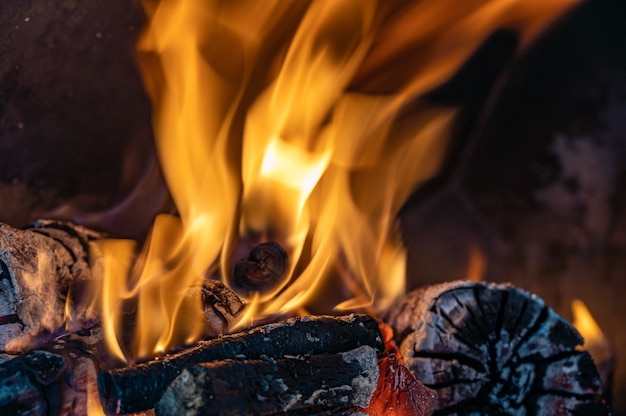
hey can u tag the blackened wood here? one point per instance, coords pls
(262, 269)
(270, 386)
(43, 272)
(56, 380)
(495, 349)
(397, 388)
(139, 387)
(20, 396)
(221, 307)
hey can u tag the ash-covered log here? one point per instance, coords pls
(139, 387)
(43, 270)
(289, 385)
(495, 349)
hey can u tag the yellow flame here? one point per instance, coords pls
(117, 257)
(300, 120)
(94, 405)
(587, 326)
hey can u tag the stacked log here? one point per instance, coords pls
(293, 384)
(483, 348)
(139, 387)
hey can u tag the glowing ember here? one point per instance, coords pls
(299, 121)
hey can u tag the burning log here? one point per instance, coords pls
(43, 269)
(221, 307)
(397, 388)
(262, 269)
(57, 380)
(308, 384)
(139, 387)
(495, 349)
(23, 382)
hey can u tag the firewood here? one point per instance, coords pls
(45, 273)
(262, 269)
(221, 307)
(40, 269)
(18, 395)
(495, 349)
(54, 380)
(270, 386)
(139, 387)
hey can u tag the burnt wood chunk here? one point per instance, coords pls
(43, 270)
(274, 386)
(20, 396)
(495, 349)
(221, 307)
(138, 388)
(262, 269)
(57, 380)
(397, 389)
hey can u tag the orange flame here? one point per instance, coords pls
(476, 265)
(262, 130)
(595, 341)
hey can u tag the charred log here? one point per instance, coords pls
(262, 269)
(57, 380)
(139, 387)
(268, 386)
(221, 307)
(397, 388)
(495, 349)
(19, 396)
(43, 270)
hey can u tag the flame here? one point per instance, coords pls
(286, 119)
(94, 405)
(595, 341)
(477, 264)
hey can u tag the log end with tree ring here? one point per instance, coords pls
(495, 349)
(262, 270)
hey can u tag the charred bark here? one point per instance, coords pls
(495, 349)
(139, 387)
(43, 271)
(269, 386)
(221, 307)
(55, 380)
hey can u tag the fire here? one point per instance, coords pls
(286, 120)
(477, 264)
(595, 341)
